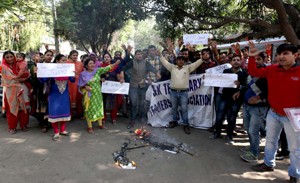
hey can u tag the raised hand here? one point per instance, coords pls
(123, 46)
(252, 50)
(129, 48)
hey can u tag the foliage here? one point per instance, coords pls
(92, 22)
(22, 24)
(239, 18)
(139, 34)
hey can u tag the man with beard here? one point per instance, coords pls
(231, 100)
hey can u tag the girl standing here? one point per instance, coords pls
(75, 95)
(110, 100)
(59, 101)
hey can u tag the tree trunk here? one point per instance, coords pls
(285, 25)
(87, 50)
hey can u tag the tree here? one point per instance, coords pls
(93, 22)
(139, 34)
(22, 24)
(245, 18)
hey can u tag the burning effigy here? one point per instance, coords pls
(144, 138)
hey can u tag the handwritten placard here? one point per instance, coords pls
(293, 115)
(218, 69)
(50, 70)
(220, 80)
(114, 87)
(195, 39)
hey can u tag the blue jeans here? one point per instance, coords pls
(227, 106)
(180, 99)
(254, 118)
(137, 101)
(275, 123)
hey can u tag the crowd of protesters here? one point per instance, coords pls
(265, 86)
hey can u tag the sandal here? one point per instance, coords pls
(90, 130)
(55, 137)
(65, 133)
(12, 131)
(25, 129)
(102, 127)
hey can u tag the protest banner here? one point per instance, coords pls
(220, 80)
(293, 115)
(195, 39)
(114, 87)
(218, 69)
(50, 70)
(201, 110)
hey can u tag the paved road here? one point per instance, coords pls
(84, 158)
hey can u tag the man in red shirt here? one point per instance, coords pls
(284, 92)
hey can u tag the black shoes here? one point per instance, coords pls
(262, 168)
(172, 124)
(294, 180)
(215, 136)
(130, 125)
(187, 129)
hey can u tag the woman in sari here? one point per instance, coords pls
(16, 102)
(75, 95)
(89, 86)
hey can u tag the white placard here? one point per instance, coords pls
(195, 39)
(50, 70)
(294, 116)
(218, 69)
(114, 87)
(220, 80)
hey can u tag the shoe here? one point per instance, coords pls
(245, 149)
(215, 136)
(25, 129)
(211, 129)
(294, 180)
(187, 129)
(249, 157)
(125, 115)
(130, 125)
(90, 130)
(114, 122)
(230, 140)
(12, 131)
(65, 133)
(55, 137)
(172, 124)
(102, 127)
(44, 130)
(282, 155)
(262, 168)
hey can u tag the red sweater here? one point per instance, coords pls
(283, 85)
